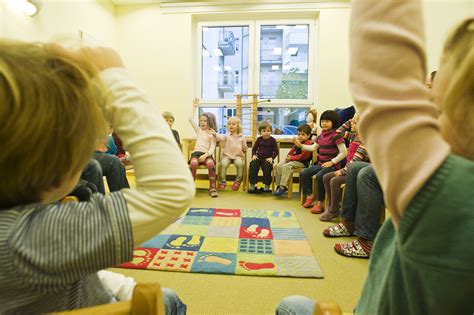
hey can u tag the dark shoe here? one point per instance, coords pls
(255, 191)
(280, 191)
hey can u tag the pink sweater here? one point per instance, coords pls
(398, 121)
(233, 146)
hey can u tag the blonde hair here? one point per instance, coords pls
(50, 119)
(167, 115)
(239, 124)
(458, 105)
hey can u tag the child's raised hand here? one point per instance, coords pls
(254, 158)
(196, 102)
(269, 160)
(103, 57)
(203, 157)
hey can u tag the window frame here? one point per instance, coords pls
(254, 25)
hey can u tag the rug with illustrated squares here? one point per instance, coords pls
(231, 241)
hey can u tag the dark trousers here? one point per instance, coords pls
(113, 170)
(363, 200)
(266, 167)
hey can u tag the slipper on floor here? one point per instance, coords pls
(352, 249)
(337, 230)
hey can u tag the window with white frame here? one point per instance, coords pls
(271, 58)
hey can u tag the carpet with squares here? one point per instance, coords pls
(231, 241)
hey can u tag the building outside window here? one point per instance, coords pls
(277, 67)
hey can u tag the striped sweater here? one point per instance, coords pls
(49, 254)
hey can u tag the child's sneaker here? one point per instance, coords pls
(213, 193)
(309, 202)
(221, 186)
(280, 191)
(235, 186)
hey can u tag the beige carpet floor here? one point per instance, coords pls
(229, 294)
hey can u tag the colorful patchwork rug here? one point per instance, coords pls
(231, 241)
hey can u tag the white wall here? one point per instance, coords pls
(61, 19)
(159, 49)
(440, 17)
(333, 60)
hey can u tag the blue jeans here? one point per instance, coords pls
(173, 304)
(307, 182)
(295, 305)
(363, 200)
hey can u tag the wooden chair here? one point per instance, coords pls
(69, 199)
(244, 172)
(147, 300)
(192, 144)
(327, 308)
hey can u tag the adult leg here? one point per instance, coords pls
(349, 202)
(295, 305)
(173, 304)
(370, 203)
(113, 170)
(93, 174)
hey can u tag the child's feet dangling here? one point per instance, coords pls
(309, 202)
(318, 208)
(236, 186)
(221, 186)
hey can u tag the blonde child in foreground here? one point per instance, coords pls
(205, 146)
(422, 259)
(234, 147)
(50, 252)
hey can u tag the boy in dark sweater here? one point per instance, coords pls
(264, 152)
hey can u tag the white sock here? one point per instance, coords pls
(120, 286)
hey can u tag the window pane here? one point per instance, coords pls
(285, 120)
(224, 62)
(284, 61)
